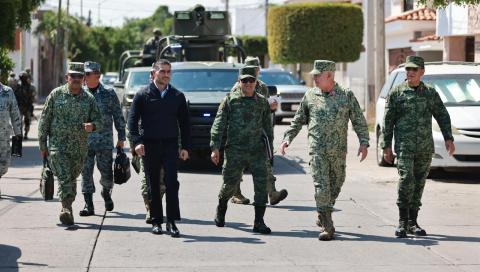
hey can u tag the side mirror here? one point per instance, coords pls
(272, 90)
(302, 82)
(119, 84)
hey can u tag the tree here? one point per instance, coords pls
(444, 3)
(13, 14)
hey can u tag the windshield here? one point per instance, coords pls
(454, 89)
(138, 79)
(206, 80)
(108, 79)
(278, 78)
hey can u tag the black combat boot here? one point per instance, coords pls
(221, 211)
(88, 210)
(106, 194)
(413, 227)
(259, 225)
(401, 231)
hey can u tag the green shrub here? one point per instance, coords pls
(302, 33)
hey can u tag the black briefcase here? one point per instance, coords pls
(16, 146)
(46, 181)
(121, 167)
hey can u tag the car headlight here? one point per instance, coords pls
(436, 128)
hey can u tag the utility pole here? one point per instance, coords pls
(226, 6)
(379, 46)
(65, 42)
(266, 18)
(81, 10)
(370, 71)
(56, 45)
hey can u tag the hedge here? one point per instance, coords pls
(302, 33)
(254, 45)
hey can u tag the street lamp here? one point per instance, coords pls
(100, 2)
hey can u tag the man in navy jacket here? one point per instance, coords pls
(163, 113)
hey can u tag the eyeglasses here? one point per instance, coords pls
(76, 76)
(411, 69)
(248, 80)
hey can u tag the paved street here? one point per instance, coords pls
(31, 238)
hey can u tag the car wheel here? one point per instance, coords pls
(278, 120)
(380, 160)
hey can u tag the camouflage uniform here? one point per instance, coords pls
(100, 142)
(262, 89)
(242, 121)
(61, 123)
(25, 94)
(327, 116)
(9, 114)
(408, 117)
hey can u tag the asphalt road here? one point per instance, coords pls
(31, 238)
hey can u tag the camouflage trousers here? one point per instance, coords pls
(143, 179)
(234, 163)
(4, 156)
(328, 174)
(270, 180)
(104, 160)
(66, 167)
(413, 172)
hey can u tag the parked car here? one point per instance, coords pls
(109, 78)
(458, 84)
(290, 91)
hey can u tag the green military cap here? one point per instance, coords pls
(320, 66)
(248, 71)
(76, 68)
(414, 62)
(157, 31)
(91, 66)
(252, 61)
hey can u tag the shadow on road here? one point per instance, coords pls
(9, 256)
(283, 166)
(30, 158)
(468, 176)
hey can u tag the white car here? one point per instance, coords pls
(458, 84)
(290, 91)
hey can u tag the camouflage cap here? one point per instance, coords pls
(414, 62)
(91, 66)
(320, 66)
(252, 61)
(248, 71)
(76, 68)
(157, 31)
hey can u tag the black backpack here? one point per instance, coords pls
(121, 167)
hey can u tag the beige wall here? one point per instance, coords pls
(454, 48)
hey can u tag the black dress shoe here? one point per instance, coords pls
(157, 229)
(173, 230)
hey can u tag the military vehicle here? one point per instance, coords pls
(198, 52)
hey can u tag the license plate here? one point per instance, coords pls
(295, 107)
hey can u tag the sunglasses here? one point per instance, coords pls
(76, 76)
(248, 80)
(411, 69)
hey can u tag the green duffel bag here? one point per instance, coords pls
(46, 181)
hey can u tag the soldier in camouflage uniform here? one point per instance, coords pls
(100, 142)
(274, 195)
(151, 45)
(25, 94)
(408, 116)
(70, 113)
(326, 109)
(9, 114)
(243, 117)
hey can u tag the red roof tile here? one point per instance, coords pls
(422, 14)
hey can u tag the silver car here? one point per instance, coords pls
(458, 84)
(290, 91)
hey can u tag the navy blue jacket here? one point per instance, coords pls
(161, 118)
